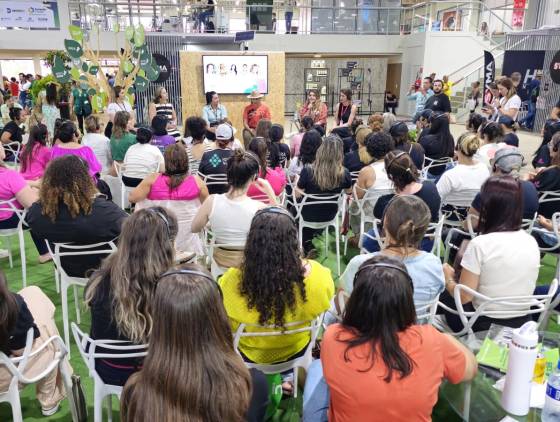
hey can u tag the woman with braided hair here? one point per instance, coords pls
(71, 210)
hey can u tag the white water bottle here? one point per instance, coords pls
(521, 365)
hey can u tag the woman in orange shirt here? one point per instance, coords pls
(314, 108)
(384, 365)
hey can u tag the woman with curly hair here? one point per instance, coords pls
(71, 210)
(275, 286)
(121, 293)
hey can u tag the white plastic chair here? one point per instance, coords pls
(210, 244)
(124, 190)
(9, 206)
(432, 163)
(70, 250)
(15, 149)
(16, 366)
(552, 250)
(320, 200)
(426, 311)
(120, 350)
(522, 305)
(471, 234)
(546, 197)
(303, 361)
(456, 204)
(214, 180)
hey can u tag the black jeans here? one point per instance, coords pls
(482, 323)
(12, 223)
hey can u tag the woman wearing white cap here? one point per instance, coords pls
(214, 162)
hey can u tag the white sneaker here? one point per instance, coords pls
(51, 411)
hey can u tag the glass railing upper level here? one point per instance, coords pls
(297, 17)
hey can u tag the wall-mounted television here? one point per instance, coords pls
(235, 74)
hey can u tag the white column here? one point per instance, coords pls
(37, 65)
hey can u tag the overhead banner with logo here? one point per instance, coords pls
(29, 14)
(489, 76)
(527, 63)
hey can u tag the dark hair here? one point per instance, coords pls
(159, 125)
(550, 128)
(426, 114)
(501, 205)
(438, 80)
(15, 113)
(347, 92)
(37, 136)
(378, 144)
(493, 131)
(259, 147)
(242, 167)
(400, 169)
(320, 129)
(406, 219)
(399, 132)
(276, 133)
(474, 121)
(66, 132)
(176, 165)
(272, 271)
(144, 135)
(440, 129)
(117, 89)
(51, 94)
(263, 129)
(310, 143)
(209, 95)
(385, 295)
(430, 79)
(196, 127)
(307, 123)
(8, 313)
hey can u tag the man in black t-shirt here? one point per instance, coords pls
(439, 101)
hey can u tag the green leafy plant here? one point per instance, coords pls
(40, 85)
(49, 58)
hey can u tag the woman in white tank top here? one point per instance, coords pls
(229, 215)
(371, 178)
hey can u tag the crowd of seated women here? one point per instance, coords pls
(260, 278)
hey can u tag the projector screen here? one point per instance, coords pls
(235, 74)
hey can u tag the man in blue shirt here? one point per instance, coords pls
(533, 89)
(420, 96)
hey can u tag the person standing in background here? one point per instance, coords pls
(49, 108)
(252, 115)
(439, 101)
(533, 89)
(474, 96)
(391, 102)
(80, 102)
(14, 87)
(420, 96)
(289, 14)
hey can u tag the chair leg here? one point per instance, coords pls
(22, 256)
(326, 242)
(15, 404)
(57, 280)
(77, 304)
(9, 248)
(296, 372)
(64, 300)
(97, 403)
(337, 240)
(109, 401)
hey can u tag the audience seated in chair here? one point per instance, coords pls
(122, 138)
(196, 128)
(229, 215)
(310, 143)
(405, 222)
(438, 143)
(71, 210)
(399, 133)
(30, 308)
(503, 260)
(274, 286)
(215, 162)
(356, 159)
(98, 142)
(36, 154)
(405, 177)
(384, 365)
(274, 175)
(120, 294)
(177, 190)
(326, 176)
(278, 152)
(191, 370)
(141, 159)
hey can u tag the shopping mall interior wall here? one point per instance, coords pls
(193, 91)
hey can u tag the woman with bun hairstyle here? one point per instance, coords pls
(474, 122)
(229, 214)
(467, 175)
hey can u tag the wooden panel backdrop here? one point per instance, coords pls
(192, 88)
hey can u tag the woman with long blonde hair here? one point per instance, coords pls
(314, 108)
(356, 159)
(120, 293)
(192, 372)
(326, 176)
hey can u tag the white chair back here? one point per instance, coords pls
(433, 163)
(15, 149)
(10, 206)
(547, 197)
(16, 366)
(214, 180)
(111, 349)
(119, 169)
(426, 311)
(62, 250)
(521, 305)
(455, 206)
(303, 361)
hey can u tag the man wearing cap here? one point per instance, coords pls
(252, 114)
(508, 162)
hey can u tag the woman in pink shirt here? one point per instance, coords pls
(14, 187)
(176, 190)
(36, 154)
(275, 176)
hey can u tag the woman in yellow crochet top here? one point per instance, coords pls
(275, 286)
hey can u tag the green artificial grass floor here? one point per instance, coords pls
(43, 276)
